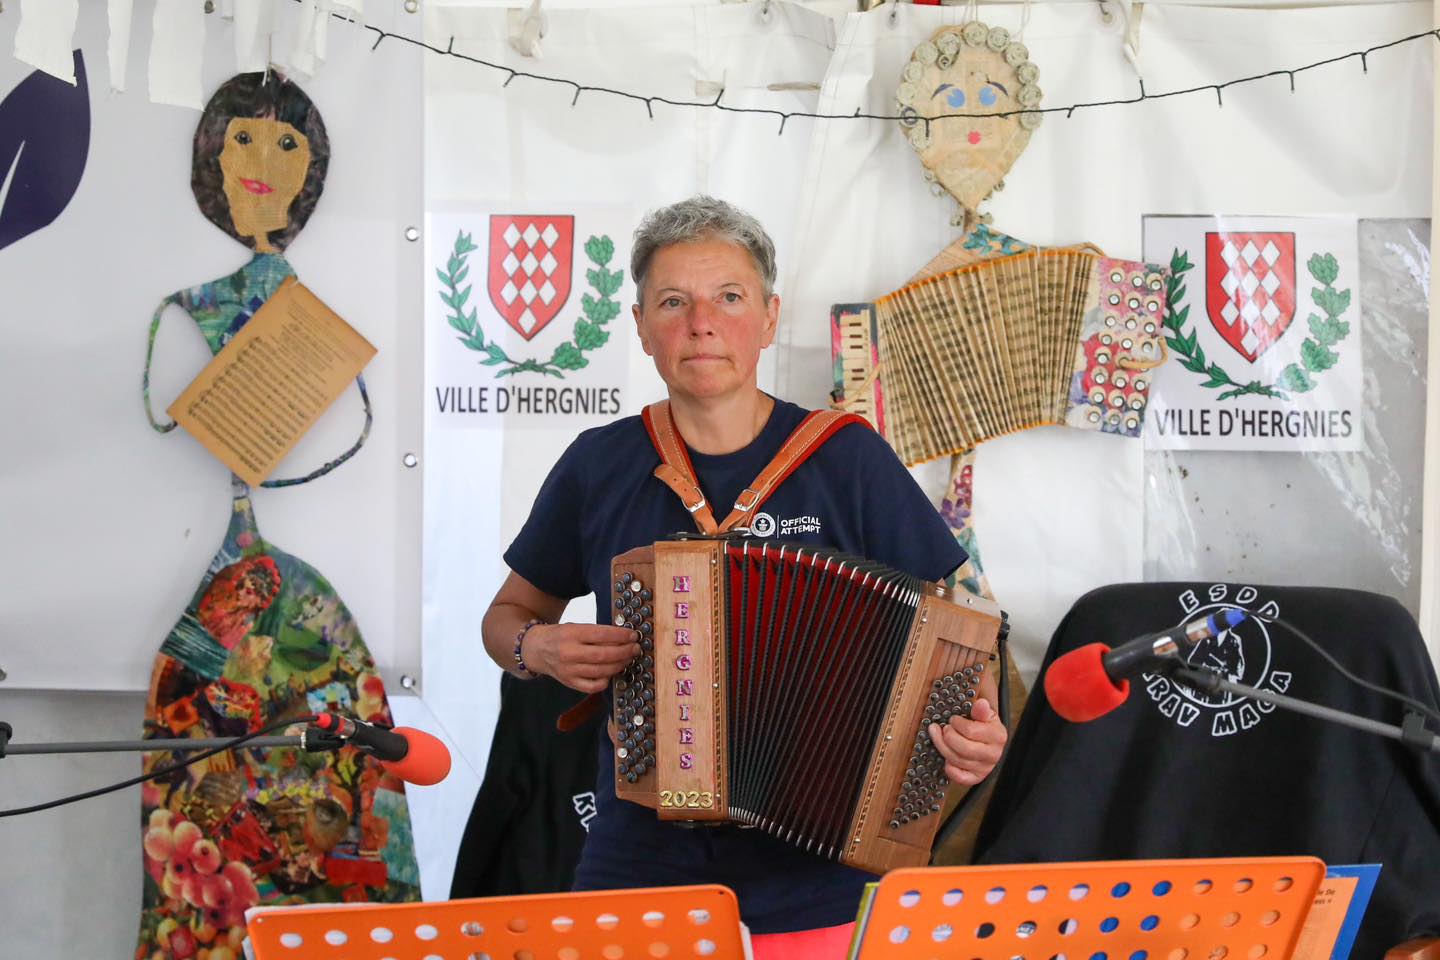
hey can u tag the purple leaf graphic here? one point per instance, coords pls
(44, 140)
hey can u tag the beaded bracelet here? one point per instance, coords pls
(520, 666)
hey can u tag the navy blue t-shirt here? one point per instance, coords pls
(602, 499)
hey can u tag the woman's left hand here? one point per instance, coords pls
(970, 747)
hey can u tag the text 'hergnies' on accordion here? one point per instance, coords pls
(789, 688)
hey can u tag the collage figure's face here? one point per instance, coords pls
(972, 69)
(264, 163)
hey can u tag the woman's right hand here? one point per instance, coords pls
(583, 656)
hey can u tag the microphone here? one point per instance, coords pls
(1090, 681)
(412, 755)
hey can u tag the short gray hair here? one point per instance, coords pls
(696, 219)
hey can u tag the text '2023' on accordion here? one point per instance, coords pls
(789, 688)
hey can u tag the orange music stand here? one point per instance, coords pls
(669, 922)
(1241, 909)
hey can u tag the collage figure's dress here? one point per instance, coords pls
(264, 637)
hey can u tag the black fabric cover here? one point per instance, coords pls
(1235, 780)
(528, 824)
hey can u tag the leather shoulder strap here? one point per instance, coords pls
(678, 473)
(675, 470)
(814, 430)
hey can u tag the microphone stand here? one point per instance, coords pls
(1412, 731)
(311, 740)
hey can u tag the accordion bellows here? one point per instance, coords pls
(789, 688)
(1059, 336)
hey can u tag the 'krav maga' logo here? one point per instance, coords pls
(1242, 654)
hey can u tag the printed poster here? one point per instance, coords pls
(1263, 332)
(523, 315)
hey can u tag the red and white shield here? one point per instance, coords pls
(530, 261)
(1250, 288)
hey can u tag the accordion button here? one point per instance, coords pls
(649, 728)
(647, 662)
(894, 824)
(646, 612)
(622, 753)
(636, 586)
(648, 710)
(647, 695)
(620, 620)
(979, 668)
(619, 587)
(627, 577)
(646, 595)
(646, 628)
(649, 745)
(631, 777)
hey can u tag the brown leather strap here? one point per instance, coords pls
(814, 430)
(678, 473)
(576, 716)
(675, 470)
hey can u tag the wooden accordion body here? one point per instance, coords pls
(788, 688)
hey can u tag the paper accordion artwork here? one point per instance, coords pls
(1043, 337)
(751, 646)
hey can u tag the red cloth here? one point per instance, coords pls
(824, 943)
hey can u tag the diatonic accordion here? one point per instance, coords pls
(790, 688)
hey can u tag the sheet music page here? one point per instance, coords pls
(254, 401)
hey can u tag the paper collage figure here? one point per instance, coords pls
(994, 335)
(265, 635)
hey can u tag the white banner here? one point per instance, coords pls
(526, 316)
(1264, 334)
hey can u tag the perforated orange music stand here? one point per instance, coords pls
(1242, 909)
(670, 922)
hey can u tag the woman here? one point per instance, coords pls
(704, 275)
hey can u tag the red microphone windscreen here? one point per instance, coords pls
(427, 762)
(1079, 689)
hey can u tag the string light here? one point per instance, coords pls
(784, 116)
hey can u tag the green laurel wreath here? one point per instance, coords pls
(589, 332)
(1315, 353)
